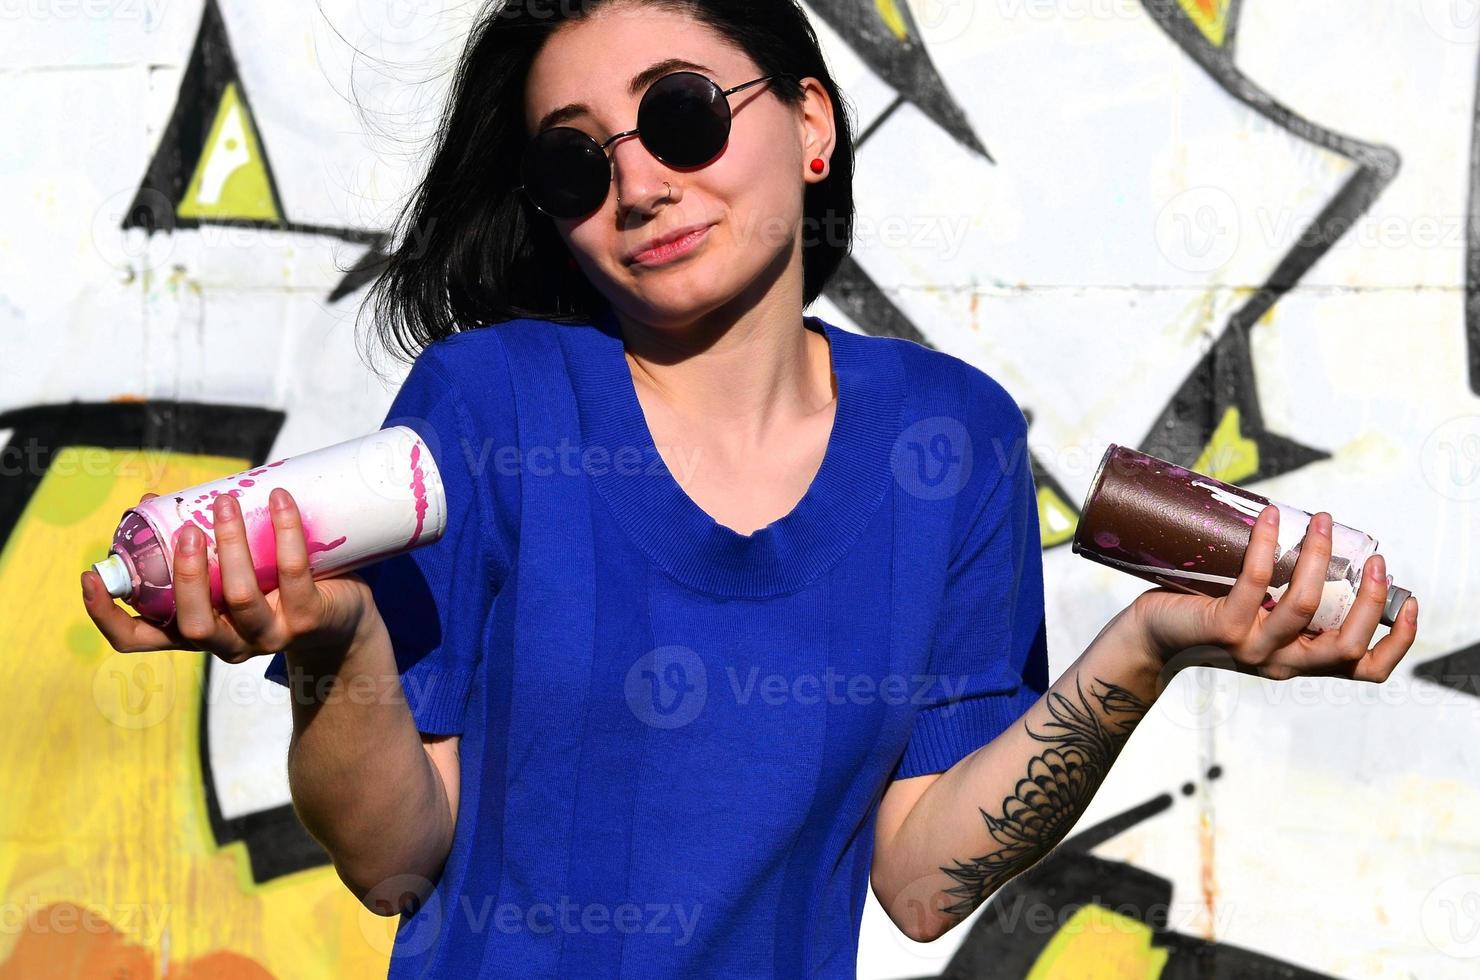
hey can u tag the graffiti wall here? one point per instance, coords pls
(1238, 234)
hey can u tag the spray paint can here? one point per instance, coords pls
(360, 501)
(1174, 527)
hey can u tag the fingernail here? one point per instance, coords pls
(189, 540)
(86, 587)
(1270, 515)
(1325, 525)
(278, 499)
(228, 505)
(1374, 570)
(1413, 609)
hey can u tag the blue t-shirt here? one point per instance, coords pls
(675, 737)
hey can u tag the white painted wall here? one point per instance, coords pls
(1337, 838)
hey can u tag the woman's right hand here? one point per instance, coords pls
(300, 615)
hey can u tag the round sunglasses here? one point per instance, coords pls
(683, 120)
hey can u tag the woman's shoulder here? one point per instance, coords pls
(481, 361)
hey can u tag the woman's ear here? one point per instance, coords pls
(818, 130)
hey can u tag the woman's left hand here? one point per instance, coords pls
(1272, 642)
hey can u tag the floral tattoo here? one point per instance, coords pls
(1059, 784)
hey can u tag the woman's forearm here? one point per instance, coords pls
(999, 810)
(360, 777)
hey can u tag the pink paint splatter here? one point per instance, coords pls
(419, 490)
(316, 546)
(1107, 540)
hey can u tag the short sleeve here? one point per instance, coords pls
(989, 654)
(435, 599)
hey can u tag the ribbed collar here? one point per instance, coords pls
(623, 462)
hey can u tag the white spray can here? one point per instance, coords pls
(360, 501)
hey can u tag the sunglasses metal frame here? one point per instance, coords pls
(724, 93)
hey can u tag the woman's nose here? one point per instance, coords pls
(641, 179)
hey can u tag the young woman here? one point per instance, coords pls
(736, 613)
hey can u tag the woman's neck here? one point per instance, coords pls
(741, 380)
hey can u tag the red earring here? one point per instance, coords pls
(817, 165)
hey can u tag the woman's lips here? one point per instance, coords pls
(673, 250)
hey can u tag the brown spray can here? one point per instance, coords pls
(1187, 531)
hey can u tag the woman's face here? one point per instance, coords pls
(749, 197)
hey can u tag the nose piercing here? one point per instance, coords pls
(666, 196)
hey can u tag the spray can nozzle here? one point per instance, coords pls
(114, 572)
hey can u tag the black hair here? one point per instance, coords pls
(483, 254)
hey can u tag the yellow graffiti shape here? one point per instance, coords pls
(1098, 944)
(230, 179)
(893, 18)
(1229, 456)
(1210, 16)
(108, 865)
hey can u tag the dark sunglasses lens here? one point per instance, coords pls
(566, 173)
(684, 119)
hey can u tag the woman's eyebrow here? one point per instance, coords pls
(639, 82)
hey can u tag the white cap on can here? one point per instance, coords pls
(114, 572)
